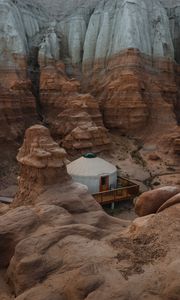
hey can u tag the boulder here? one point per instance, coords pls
(149, 202)
(171, 201)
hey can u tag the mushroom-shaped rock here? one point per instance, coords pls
(149, 202)
(42, 162)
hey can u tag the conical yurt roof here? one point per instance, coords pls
(94, 166)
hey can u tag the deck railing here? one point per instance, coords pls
(127, 191)
(124, 182)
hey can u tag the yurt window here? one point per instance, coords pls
(104, 183)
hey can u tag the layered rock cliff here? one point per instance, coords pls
(125, 53)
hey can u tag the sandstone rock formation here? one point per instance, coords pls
(134, 92)
(170, 138)
(72, 253)
(15, 115)
(17, 103)
(42, 161)
(134, 87)
(84, 67)
(65, 246)
(81, 67)
(74, 118)
(157, 200)
(170, 202)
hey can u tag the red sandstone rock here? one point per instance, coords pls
(149, 202)
(4, 208)
(79, 248)
(168, 141)
(172, 201)
(12, 232)
(66, 247)
(74, 118)
(134, 92)
(17, 112)
(17, 103)
(42, 161)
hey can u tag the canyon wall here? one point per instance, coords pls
(83, 66)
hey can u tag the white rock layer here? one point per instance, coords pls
(89, 30)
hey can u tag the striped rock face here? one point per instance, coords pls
(125, 53)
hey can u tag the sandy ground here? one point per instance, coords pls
(123, 210)
(148, 165)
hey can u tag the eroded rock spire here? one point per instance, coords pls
(42, 162)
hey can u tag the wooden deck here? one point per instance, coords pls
(125, 190)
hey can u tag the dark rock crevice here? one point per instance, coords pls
(34, 76)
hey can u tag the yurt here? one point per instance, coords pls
(96, 173)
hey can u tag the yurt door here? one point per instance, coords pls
(104, 183)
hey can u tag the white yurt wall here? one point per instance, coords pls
(88, 170)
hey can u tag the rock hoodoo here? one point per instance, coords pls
(42, 162)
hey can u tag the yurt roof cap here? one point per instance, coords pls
(89, 155)
(90, 166)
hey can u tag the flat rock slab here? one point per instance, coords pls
(9, 192)
(6, 200)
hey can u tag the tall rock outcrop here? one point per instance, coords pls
(129, 56)
(17, 103)
(74, 118)
(136, 91)
(42, 162)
